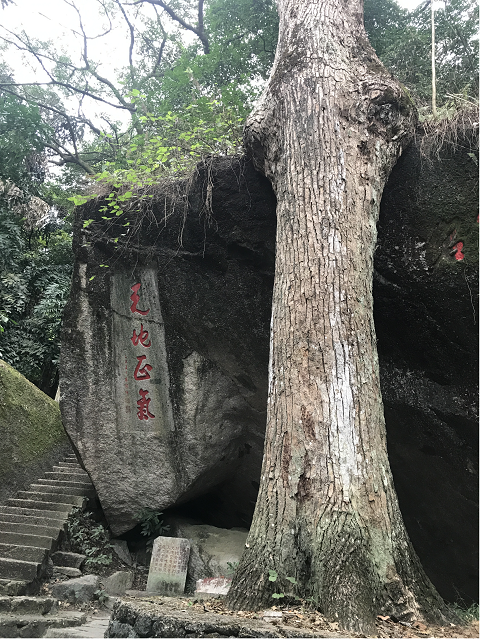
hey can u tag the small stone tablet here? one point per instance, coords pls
(168, 566)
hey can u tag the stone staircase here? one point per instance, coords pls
(35, 616)
(32, 524)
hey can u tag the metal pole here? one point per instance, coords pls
(434, 83)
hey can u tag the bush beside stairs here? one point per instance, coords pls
(32, 525)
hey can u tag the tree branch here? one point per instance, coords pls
(198, 31)
(132, 40)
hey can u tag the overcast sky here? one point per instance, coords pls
(54, 20)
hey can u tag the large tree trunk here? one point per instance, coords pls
(327, 131)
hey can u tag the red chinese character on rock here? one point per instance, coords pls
(135, 297)
(140, 338)
(143, 406)
(142, 372)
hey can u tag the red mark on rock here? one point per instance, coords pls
(141, 338)
(143, 406)
(458, 251)
(135, 297)
(142, 372)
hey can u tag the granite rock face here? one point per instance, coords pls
(79, 590)
(206, 277)
(426, 319)
(194, 334)
(31, 432)
(214, 552)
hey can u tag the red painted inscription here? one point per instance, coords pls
(141, 338)
(135, 297)
(458, 251)
(143, 406)
(142, 371)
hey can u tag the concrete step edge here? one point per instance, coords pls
(41, 505)
(22, 539)
(68, 471)
(26, 553)
(14, 587)
(27, 529)
(48, 498)
(64, 482)
(32, 520)
(33, 512)
(61, 490)
(56, 620)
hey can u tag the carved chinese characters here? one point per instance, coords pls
(143, 403)
(168, 566)
(142, 369)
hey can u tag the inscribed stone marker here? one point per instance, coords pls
(168, 566)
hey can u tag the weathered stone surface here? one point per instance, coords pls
(213, 586)
(78, 590)
(214, 294)
(214, 552)
(70, 559)
(118, 583)
(66, 570)
(120, 548)
(164, 617)
(168, 566)
(426, 318)
(209, 307)
(31, 432)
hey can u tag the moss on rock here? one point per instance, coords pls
(31, 432)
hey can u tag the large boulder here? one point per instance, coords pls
(204, 257)
(76, 591)
(426, 319)
(194, 418)
(31, 432)
(214, 552)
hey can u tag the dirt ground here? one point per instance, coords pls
(302, 617)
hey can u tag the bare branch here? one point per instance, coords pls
(200, 18)
(132, 39)
(71, 87)
(29, 48)
(153, 72)
(198, 31)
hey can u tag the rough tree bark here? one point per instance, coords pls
(327, 131)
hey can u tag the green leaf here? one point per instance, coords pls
(272, 575)
(278, 595)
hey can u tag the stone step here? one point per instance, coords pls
(18, 569)
(14, 588)
(27, 605)
(93, 629)
(39, 520)
(63, 490)
(68, 471)
(58, 475)
(33, 512)
(87, 485)
(57, 498)
(30, 529)
(37, 625)
(40, 505)
(26, 540)
(67, 464)
(26, 553)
